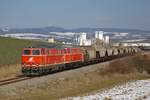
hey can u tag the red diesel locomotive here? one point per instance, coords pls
(36, 61)
(44, 60)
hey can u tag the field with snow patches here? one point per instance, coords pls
(135, 90)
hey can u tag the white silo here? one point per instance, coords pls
(82, 38)
(96, 34)
(107, 39)
(101, 35)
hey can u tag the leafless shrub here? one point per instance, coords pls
(120, 67)
(124, 66)
(142, 63)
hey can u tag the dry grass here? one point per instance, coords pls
(142, 63)
(9, 71)
(119, 66)
(57, 89)
(139, 63)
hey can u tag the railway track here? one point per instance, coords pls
(23, 77)
(14, 80)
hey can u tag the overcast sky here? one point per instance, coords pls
(133, 14)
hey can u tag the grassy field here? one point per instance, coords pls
(10, 55)
(10, 71)
(10, 50)
(117, 72)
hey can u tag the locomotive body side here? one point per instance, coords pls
(54, 56)
(47, 60)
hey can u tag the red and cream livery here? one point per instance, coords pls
(44, 60)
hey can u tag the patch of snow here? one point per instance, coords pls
(128, 91)
(63, 34)
(120, 34)
(38, 36)
(134, 40)
(24, 35)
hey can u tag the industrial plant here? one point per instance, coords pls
(99, 35)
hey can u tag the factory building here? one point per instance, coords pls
(50, 40)
(83, 40)
(99, 36)
(106, 39)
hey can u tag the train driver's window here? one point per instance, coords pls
(36, 52)
(27, 52)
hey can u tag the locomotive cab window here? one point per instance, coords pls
(36, 52)
(27, 52)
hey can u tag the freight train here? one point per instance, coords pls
(45, 60)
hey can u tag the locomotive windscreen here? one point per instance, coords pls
(27, 52)
(36, 52)
(31, 52)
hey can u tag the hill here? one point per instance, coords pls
(10, 49)
(45, 30)
(70, 35)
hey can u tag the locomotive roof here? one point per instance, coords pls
(52, 46)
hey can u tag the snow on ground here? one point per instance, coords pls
(26, 36)
(136, 90)
(37, 36)
(134, 40)
(63, 33)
